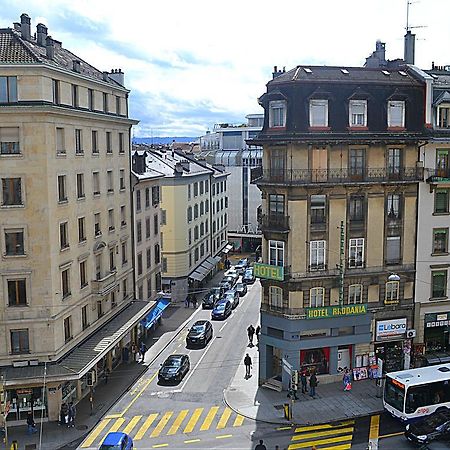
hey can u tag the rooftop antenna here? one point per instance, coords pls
(408, 26)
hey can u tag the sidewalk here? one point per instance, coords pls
(331, 403)
(55, 437)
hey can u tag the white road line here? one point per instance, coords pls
(223, 326)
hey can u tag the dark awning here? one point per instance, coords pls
(155, 313)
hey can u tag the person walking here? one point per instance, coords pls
(261, 445)
(143, 350)
(194, 301)
(30, 424)
(134, 351)
(248, 365)
(187, 302)
(313, 382)
(72, 415)
(347, 380)
(63, 414)
(304, 381)
(257, 332)
(250, 333)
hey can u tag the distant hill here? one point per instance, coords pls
(163, 140)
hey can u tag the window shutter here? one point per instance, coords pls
(441, 201)
(9, 134)
(393, 248)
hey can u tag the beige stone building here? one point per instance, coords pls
(65, 221)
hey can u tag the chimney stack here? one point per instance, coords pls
(41, 34)
(409, 47)
(118, 76)
(105, 76)
(49, 47)
(16, 26)
(25, 26)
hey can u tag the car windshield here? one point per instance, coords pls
(215, 291)
(173, 362)
(198, 328)
(239, 286)
(110, 447)
(220, 306)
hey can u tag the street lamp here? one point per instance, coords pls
(393, 277)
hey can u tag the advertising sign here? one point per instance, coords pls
(335, 311)
(387, 329)
(268, 272)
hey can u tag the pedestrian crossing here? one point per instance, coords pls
(325, 437)
(166, 423)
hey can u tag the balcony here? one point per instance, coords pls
(105, 285)
(278, 223)
(438, 176)
(335, 176)
(285, 312)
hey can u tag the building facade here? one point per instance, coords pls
(339, 185)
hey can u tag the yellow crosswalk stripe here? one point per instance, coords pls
(374, 427)
(116, 425)
(193, 420)
(337, 447)
(309, 444)
(178, 421)
(145, 426)
(224, 419)
(161, 424)
(133, 422)
(316, 434)
(94, 435)
(238, 421)
(209, 418)
(324, 426)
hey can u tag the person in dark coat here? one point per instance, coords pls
(143, 349)
(313, 384)
(248, 365)
(250, 333)
(257, 333)
(72, 415)
(304, 381)
(30, 424)
(261, 445)
(64, 411)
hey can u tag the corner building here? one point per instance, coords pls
(339, 186)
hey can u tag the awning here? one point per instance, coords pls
(207, 265)
(227, 248)
(216, 259)
(212, 261)
(196, 276)
(155, 313)
(202, 270)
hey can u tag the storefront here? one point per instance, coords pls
(390, 344)
(316, 359)
(437, 332)
(25, 400)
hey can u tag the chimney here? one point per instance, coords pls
(277, 72)
(41, 34)
(25, 26)
(139, 162)
(105, 76)
(118, 76)
(49, 47)
(409, 47)
(16, 26)
(76, 66)
(178, 170)
(186, 165)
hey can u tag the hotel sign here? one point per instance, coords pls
(335, 311)
(268, 272)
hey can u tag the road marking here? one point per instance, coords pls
(191, 441)
(224, 419)
(300, 437)
(139, 394)
(321, 427)
(133, 422)
(223, 326)
(399, 433)
(178, 421)
(337, 447)
(160, 445)
(113, 416)
(145, 426)
(193, 420)
(374, 432)
(93, 436)
(162, 423)
(116, 426)
(332, 440)
(209, 418)
(283, 428)
(238, 421)
(224, 436)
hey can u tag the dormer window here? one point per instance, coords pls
(444, 116)
(358, 113)
(277, 114)
(318, 113)
(396, 113)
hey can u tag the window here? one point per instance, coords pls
(358, 113)
(105, 102)
(316, 297)
(56, 92)
(317, 255)
(155, 224)
(8, 89)
(138, 231)
(147, 197)
(318, 203)
(206, 227)
(19, 341)
(195, 189)
(442, 162)
(121, 143)
(155, 195)
(124, 253)
(157, 254)
(276, 253)
(189, 214)
(440, 240)
(196, 254)
(202, 229)
(394, 161)
(202, 249)
(12, 191)
(206, 206)
(94, 142)
(393, 206)
(441, 201)
(91, 97)
(68, 329)
(195, 211)
(83, 274)
(189, 191)
(98, 267)
(74, 95)
(9, 141)
(202, 208)
(79, 142)
(318, 113)
(97, 225)
(111, 221)
(123, 216)
(14, 243)
(276, 204)
(444, 116)
(396, 113)
(206, 186)
(138, 200)
(17, 293)
(355, 294)
(65, 283)
(124, 289)
(393, 250)
(122, 180)
(109, 179)
(356, 208)
(81, 229)
(60, 141)
(275, 297)
(277, 114)
(189, 236)
(80, 186)
(139, 264)
(149, 288)
(63, 235)
(196, 232)
(149, 258)
(117, 105)
(84, 317)
(62, 190)
(214, 189)
(392, 292)
(108, 143)
(356, 163)
(201, 187)
(356, 252)
(96, 183)
(439, 284)
(147, 227)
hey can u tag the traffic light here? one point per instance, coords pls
(294, 379)
(91, 377)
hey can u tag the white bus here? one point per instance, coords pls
(411, 394)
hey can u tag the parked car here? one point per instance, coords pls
(117, 441)
(433, 427)
(210, 301)
(241, 265)
(221, 311)
(248, 277)
(232, 296)
(231, 279)
(174, 368)
(200, 333)
(225, 285)
(241, 288)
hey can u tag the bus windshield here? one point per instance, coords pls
(394, 393)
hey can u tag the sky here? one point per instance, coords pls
(191, 64)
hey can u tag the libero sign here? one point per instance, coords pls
(335, 311)
(387, 329)
(268, 272)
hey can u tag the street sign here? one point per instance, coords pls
(268, 272)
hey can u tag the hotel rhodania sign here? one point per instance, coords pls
(268, 272)
(335, 311)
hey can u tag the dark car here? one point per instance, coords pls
(231, 279)
(241, 289)
(232, 296)
(248, 277)
(221, 311)
(174, 368)
(117, 441)
(430, 428)
(241, 265)
(210, 301)
(200, 333)
(225, 285)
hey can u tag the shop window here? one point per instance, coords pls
(316, 359)
(355, 293)
(439, 284)
(316, 297)
(276, 253)
(19, 341)
(440, 241)
(392, 290)
(275, 297)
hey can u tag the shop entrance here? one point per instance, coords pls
(392, 355)
(277, 358)
(437, 339)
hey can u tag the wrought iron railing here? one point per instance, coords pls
(274, 222)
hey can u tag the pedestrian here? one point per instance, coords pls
(248, 365)
(106, 375)
(257, 333)
(143, 349)
(91, 402)
(187, 302)
(304, 380)
(194, 300)
(63, 414)
(261, 445)
(250, 332)
(30, 424)
(72, 415)
(134, 351)
(14, 445)
(346, 380)
(313, 382)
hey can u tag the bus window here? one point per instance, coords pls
(394, 394)
(417, 397)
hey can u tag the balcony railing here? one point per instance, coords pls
(275, 222)
(438, 175)
(104, 285)
(334, 176)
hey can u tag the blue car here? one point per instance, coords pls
(222, 310)
(117, 441)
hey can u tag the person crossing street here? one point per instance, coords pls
(248, 366)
